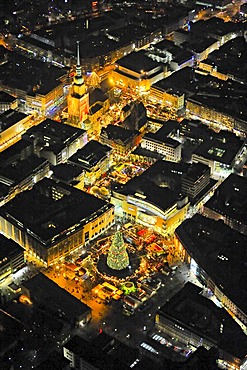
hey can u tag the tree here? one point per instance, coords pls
(117, 258)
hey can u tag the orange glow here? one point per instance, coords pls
(25, 300)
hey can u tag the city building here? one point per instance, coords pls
(55, 361)
(13, 124)
(207, 98)
(11, 257)
(167, 147)
(164, 52)
(154, 198)
(196, 321)
(53, 219)
(7, 102)
(182, 60)
(220, 152)
(229, 203)
(169, 128)
(222, 63)
(141, 155)
(209, 108)
(70, 174)
(20, 175)
(122, 140)
(56, 141)
(196, 182)
(216, 256)
(95, 159)
(43, 292)
(38, 86)
(103, 352)
(137, 71)
(167, 96)
(215, 28)
(202, 48)
(78, 98)
(10, 334)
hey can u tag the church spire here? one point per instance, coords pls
(78, 63)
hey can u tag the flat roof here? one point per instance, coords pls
(230, 58)
(220, 251)
(230, 199)
(6, 98)
(30, 75)
(50, 208)
(208, 91)
(15, 151)
(15, 172)
(10, 118)
(201, 316)
(103, 352)
(8, 247)
(220, 151)
(159, 185)
(66, 172)
(11, 330)
(44, 291)
(146, 153)
(138, 61)
(57, 134)
(88, 156)
(55, 361)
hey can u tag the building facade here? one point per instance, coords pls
(78, 98)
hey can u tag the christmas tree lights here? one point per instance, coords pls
(117, 258)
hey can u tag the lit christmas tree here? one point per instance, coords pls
(117, 258)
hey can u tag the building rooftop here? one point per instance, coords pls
(219, 251)
(52, 135)
(36, 43)
(195, 171)
(8, 247)
(199, 45)
(52, 208)
(47, 293)
(55, 361)
(159, 185)
(162, 136)
(90, 155)
(66, 172)
(113, 132)
(30, 75)
(229, 59)
(6, 98)
(223, 151)
(10, 118)
(97, 95)
(10, 331)
(146, 153)
(230, 199)
(138, 62)
(19, 150)
(13, 173)
(201, 316)
(214, 27)
(103, 351)
(182, 57)
(208, 91)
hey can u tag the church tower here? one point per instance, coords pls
(78, 99)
